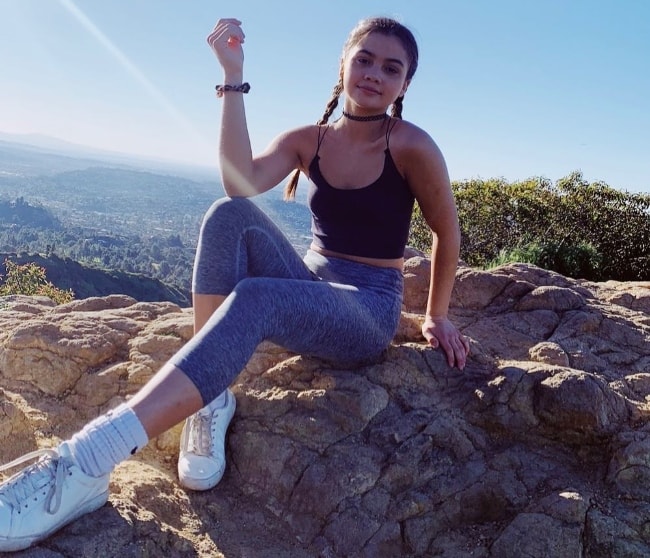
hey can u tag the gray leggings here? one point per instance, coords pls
(331, 308)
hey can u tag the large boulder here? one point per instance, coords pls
(539, 448)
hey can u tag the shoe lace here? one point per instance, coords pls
(200, 436)
(48, 471)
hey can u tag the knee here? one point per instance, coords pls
(227, 212)
(253, 292)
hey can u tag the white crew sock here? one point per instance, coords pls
(108, 440)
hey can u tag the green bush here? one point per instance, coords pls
(581, 260)
(420, 233)
(29, 279)
(574, 227)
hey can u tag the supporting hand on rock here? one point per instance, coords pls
(440, 332)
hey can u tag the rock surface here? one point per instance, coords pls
(539, 448)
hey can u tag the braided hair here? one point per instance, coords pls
(385, 26)
(292, 185)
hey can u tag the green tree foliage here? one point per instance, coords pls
(574, 227)
(616, 223)
(29, 279)
(164, 258)
(85, 281)
(581, 260)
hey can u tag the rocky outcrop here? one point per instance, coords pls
(539, 448)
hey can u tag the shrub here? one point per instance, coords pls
(420, 233)
(574, 227)
(29, 279)
(581, 260)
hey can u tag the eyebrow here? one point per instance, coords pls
(373, 55)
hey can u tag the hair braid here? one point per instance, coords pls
(333, 103)
(292, 185)
(398, 105)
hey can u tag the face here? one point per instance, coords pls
(374, 73)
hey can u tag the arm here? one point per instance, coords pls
(427, 175)
(241, 173)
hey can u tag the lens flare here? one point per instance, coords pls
(138, 75)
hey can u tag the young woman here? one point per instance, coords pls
(340, 302)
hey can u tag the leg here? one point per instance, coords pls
(331, 320)
(237, 241)
(348, 321)
(167, 399)
(204, 306)
(56, 489)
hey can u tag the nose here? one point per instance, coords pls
(371, 75)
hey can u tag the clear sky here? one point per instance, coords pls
(507, 88)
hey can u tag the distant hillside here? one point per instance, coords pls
(84, 215)
(35, 154)
(19, 212)
(85, 281)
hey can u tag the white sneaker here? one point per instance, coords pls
(45, 496)
(202, 458)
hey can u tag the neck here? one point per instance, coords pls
(370, 118)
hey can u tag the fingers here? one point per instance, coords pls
(453, 343)
(455, 352)
(227, 31)
(227, 20)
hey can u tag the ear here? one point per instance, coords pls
(405, 87)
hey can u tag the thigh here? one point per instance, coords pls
(338, 322)
(237, 241)
(330, 320)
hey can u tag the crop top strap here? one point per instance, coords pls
(391, 124)
(321, 136)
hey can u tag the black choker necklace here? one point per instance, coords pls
(372, 118)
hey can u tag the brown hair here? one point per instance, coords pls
(365, 27)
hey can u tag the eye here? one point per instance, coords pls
(392, 70)
(363, 60)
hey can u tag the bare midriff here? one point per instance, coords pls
(397, 263)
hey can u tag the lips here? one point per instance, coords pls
(369, 89)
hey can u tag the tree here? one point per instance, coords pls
(29, 279)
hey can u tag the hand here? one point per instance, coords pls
(440, 332)
(226, 40)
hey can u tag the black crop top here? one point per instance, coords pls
(371, 222)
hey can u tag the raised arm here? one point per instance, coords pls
(427, 175)
(241, 173)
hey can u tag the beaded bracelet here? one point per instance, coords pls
(243, 88)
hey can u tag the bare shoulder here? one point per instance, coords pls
(416, 154)
(421, 162)
(412, 141)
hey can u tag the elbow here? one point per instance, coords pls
(229, 188)
(238, 186)
(447, 241)
(449, 235)
(236, 179)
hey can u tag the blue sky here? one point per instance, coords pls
(507, 88)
